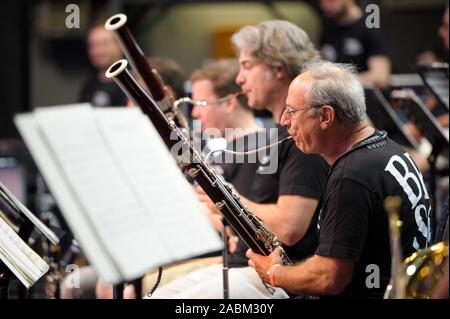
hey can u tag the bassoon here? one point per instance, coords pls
(246, 225)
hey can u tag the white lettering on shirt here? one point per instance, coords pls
(404, 178)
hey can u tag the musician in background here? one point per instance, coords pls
(347, 39)
(103, 50)
(171, 74)
(325, 113)
(227, 113)
(270, 55)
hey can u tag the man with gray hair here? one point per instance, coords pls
(270, 55)
(325, 114)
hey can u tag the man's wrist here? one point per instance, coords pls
(271, 274)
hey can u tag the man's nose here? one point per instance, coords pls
(284, 120)
(240, 79)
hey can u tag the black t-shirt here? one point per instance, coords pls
(353, 224)
(238, 169)
(287, 171)
(102, 94)
(353, 43)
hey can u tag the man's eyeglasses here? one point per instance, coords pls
(218, 101)
(287, 113)
(206, 103)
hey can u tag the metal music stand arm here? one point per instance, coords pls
(138, 287)
(118, 291)
(385, 118)
(435, 77)
(225, 268)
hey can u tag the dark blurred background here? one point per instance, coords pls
(44, 63)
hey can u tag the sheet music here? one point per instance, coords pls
(129, 188)
(24, 263)
(68, 203)
(156, 180)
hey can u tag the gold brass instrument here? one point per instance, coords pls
(417, 276)
(396, 286)
(424, 269)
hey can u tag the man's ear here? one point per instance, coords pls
(327, 116)
(280, 72)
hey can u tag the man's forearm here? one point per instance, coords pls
(302, 279)
(314, 276)
(289, 218)
(379, 70)
(267, 212)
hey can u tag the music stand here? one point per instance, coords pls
(225, 267)
(384, 117)
(19, 215)
(430, 128)
(25, 228)
(7, 275)
(435, 77)
(119, 288)
(118, 291)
